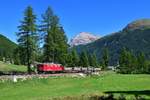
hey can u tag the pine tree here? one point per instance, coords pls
(148, 67)
(84, 62)
(124, 61)
(45, 29)
(16, 56)
(127, 62)
(134, 64)
(61, 46)
(93, 60)
(75, 58)
(55, 40)
(105, 59)
(27, 37)
(141, 63)
(90, 57)
(69, 61)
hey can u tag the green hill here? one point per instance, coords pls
(5, 68)
(135, 37)
(6, 47)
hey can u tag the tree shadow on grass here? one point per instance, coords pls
(143, 92)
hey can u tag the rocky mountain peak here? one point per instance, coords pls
(83, 38)
(138, 24)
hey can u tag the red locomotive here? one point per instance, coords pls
(52, 68)
(49, 67)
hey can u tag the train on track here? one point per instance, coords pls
(49, 67)
(53, 68)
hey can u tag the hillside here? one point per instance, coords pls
(6, 46)
(135, 37)
(5, 68)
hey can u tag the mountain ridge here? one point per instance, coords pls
(135, 39)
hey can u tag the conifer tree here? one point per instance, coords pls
(124, 61)
(61, 46)
(69, 62)
(127, 62)
(141, 63)
(93, 60)
(45, 29)
(55, 40)
(90, 57)
(75, 58)
(84, 62)
(105, 59)
(134, 64)
(27, 37)
(16, 56)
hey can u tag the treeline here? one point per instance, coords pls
(82, 60)
(130, 63)
(88, 60)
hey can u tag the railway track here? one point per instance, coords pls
(24, 77)
(68, 72)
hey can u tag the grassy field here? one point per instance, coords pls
(10, 67)
(44, 89)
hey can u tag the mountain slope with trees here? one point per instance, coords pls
(6, 47)
(134, 37)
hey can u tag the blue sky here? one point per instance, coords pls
(100, 17)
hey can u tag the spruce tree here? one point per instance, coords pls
(75, 58)
(45, 29)
(148, 67)
(93, 60)
(69, 62)
(55, 40)
(141, 63)
(134, 64)
(124, 60)
(105, 59)
(61, 46)
(127, 62)
(90, 57)
(16, 56)
(27, 37)
(84, 62)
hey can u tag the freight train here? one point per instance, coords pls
(52, 68)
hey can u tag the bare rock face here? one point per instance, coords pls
(83, 38)
(138, 24)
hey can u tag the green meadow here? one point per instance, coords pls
(61, 87)
(4, 67)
